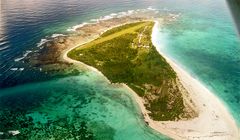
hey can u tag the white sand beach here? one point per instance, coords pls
(214, 120)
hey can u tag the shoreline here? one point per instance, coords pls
(65, 52)
(214, 120)
(189, 129)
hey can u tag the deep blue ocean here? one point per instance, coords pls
(204, 41)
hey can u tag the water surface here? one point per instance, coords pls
(203, 40)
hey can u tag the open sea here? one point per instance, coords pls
(203, 41)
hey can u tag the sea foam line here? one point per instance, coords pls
(17, 69)
(74, 28)
(24, 55)
(92, 21)
(43, 41)
(4, 48)
(57, 35)
(110, 16)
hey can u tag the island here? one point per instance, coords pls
(125, 54)
(125, 50)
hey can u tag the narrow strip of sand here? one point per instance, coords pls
(214, 120)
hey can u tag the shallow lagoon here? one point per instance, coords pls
(204, 42)
(58, 108)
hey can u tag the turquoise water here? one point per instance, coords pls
(57, 108)
(206, 44)
(203, 40)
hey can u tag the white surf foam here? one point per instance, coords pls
(43, 41)
(94, 20)
(151, 9)
(24, 55)
(14, 69)
(14, 132)
(110, 16)
(3, 43)
(74, 28)
(17, 69)
(4, 48)
(57, 35)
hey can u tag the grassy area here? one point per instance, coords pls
(125, 54)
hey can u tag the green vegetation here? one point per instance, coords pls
(125, 54)
(114, 30)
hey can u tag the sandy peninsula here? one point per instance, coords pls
(213, 122)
